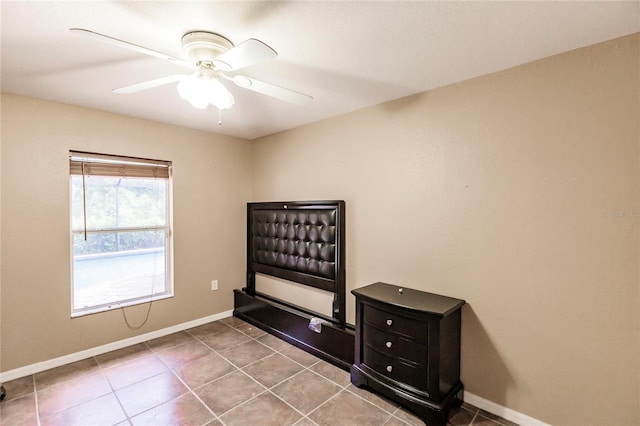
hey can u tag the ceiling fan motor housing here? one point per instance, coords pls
(204, 46)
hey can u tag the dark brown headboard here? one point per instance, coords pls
(299, 241)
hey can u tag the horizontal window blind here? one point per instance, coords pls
(88, 164)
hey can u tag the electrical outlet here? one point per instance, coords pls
(214, 284)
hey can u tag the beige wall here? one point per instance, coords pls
(498, 190)
(212, 182)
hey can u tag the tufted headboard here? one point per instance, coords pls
(299, 241)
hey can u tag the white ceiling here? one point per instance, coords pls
(347, 55)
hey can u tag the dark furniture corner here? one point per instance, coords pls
(407, 348)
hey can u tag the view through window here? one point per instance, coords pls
(120, 229)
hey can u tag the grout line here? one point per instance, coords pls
(243, 403)
(474, 417)
(325, 402)
(189, 390)
(307, 419)
(366, 400)
(83, 376)
(326, 378)
(35, 397)
(113, 391)
(286, 403)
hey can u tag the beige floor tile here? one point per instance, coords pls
(170, 341)
(272, 370)
(300, 356)
(66, 372)
(408, 417)
(149, 393)
(305, 422)
(104, 410)
(251, 330)
(374, 398)
(226, 393)
(19, 387)
(246, 353)
(306, 391)
(233, 321)
(130, 353)
(125, 374)
(461, 416)
(181, 355)
(204, 370)
(253, 412)
(226, 339)
(347, 408)
(208, 329)
(72, 392)
(273, 342)
(394, 421)
(185, 410)
(19, 412)
(331, 372)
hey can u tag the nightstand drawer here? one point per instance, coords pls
(392, 323)
(394, 369)
(395, 346)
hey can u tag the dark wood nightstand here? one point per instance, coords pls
(408, 348)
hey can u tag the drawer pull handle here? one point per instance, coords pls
(389, 322)
(389, 368)
(389, 344)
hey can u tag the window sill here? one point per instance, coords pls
(118, 305)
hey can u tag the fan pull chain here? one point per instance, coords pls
(219, 117)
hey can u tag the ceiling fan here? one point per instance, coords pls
(211, 57)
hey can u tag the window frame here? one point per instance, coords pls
(104, 165)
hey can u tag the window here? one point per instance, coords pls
(121, 239)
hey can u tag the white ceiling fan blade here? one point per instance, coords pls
(150, 84)
(130, 46)
(246, 53)
(271, 90)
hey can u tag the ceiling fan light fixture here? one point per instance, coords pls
(222, 99)
(191, 90)
(202, 91)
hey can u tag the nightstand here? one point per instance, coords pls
(408, 348)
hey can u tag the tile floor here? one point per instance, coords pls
(222, 373)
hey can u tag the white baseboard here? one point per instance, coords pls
(499, 410)
(98, 350)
